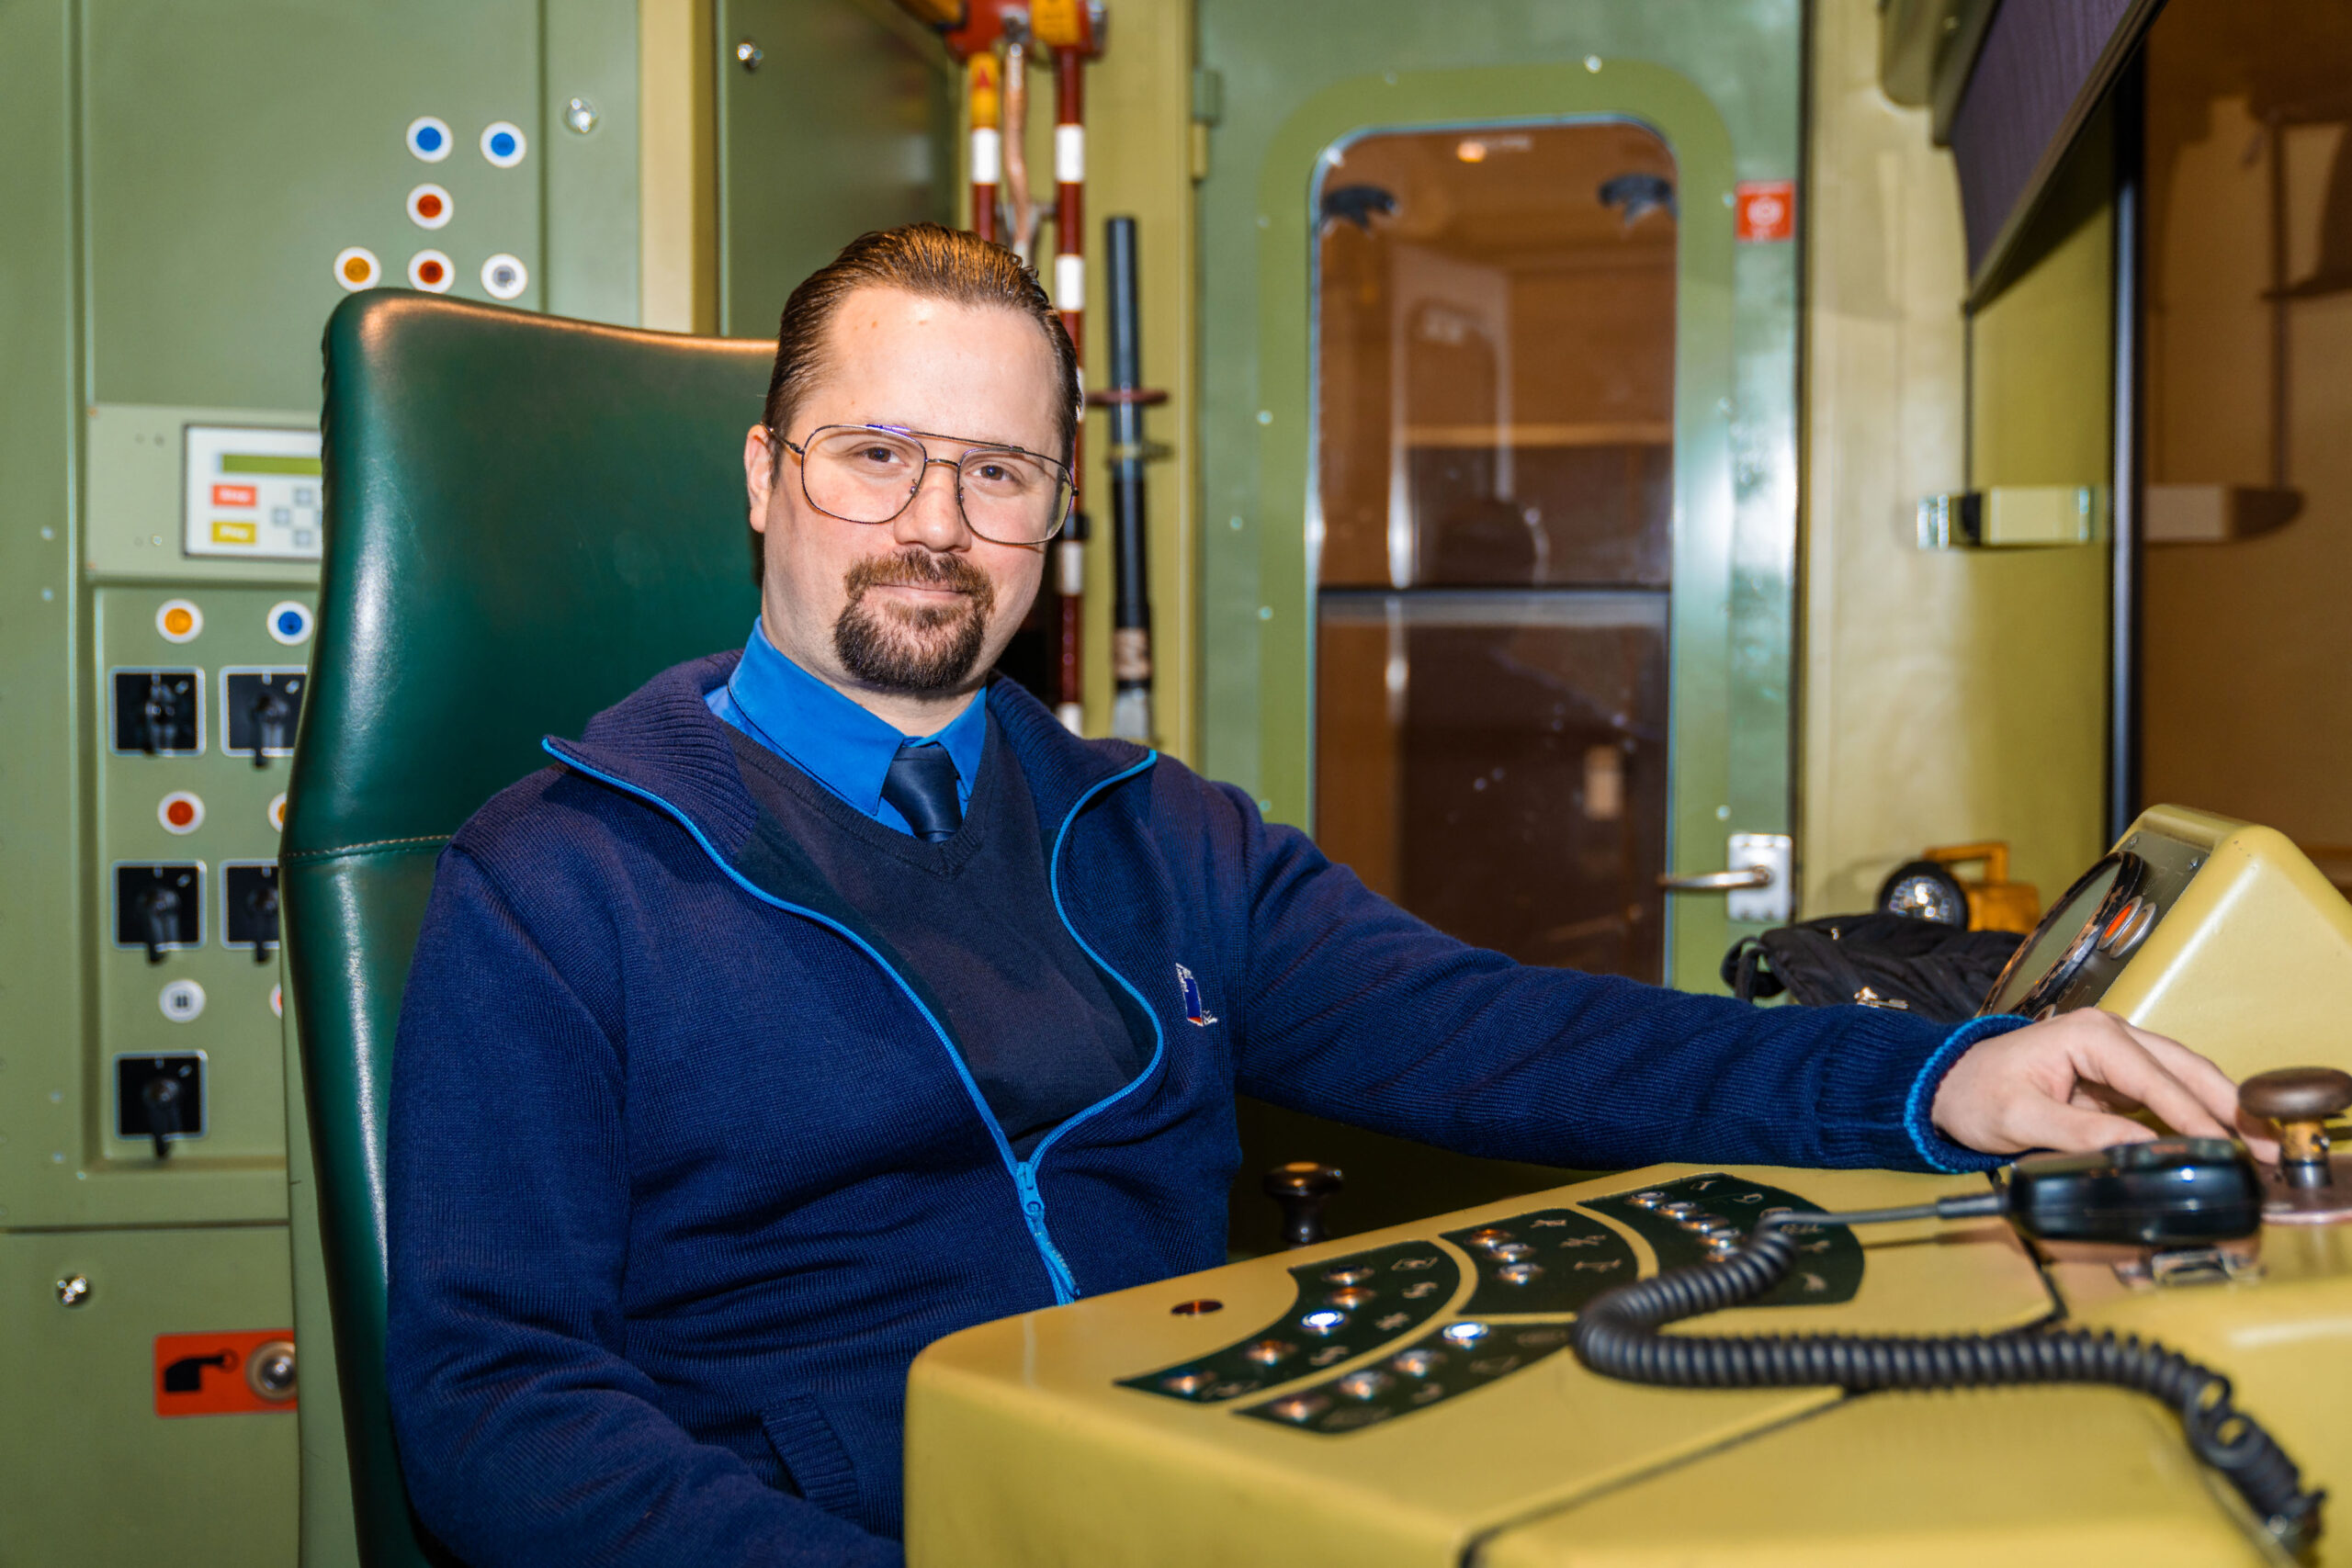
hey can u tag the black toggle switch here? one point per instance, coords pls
(155, 711)
(263, 705)
(159, 1098)
(252, 907)
(1302, 1187)
(158, 908)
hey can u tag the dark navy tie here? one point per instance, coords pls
(921, 785)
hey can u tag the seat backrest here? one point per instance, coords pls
(526, 518)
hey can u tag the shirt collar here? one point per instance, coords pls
(842, 746)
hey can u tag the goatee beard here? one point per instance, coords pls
(921, 648)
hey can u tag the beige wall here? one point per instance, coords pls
(1945, 695)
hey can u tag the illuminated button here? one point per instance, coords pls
(503, 143)
(1418, 1364)
(1187, 1384)
(429, 138)
(1646, 1200)
(179, 620)
(357, 268)
(278, 1001)
(1365, 1385)
(1350, 1276)
(1519, 1273)
(1266, 1352)
(288, 622)
(505, 277)
(431, 271)
(429, 207)
(1513, 1251)
(2130, 927)
(1323, 1323)
(276, 812)
(1300, 1407)
(1349, 1298)
(1678, 1211)
(180, 812)
(182, 1001)
(1490, 1237)
(1464, 1333)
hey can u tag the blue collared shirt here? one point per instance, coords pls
(832, 740)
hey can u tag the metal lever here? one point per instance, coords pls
(1717, 881)
(155, 716)
(270, 712)
(261, 903)
(159, 913)
(161, 1098)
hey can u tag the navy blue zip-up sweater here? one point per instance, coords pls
(683, 1175)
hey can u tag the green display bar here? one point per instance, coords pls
(262, 463)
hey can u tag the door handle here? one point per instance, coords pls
(1717, 881)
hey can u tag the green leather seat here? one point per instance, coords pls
(526, 517)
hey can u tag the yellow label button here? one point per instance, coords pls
(229, 531)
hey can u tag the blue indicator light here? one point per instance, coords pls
(429, 139)
(502, 145)
(289, 622)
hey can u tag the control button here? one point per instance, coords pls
(182, 811)
(182, 1001)
(1646, 1200)
(1519, 1273)
(289, 620)
(1418, 1364)
(269, 1371)
(505, 277)
(1351, 1275)
(1266, 1352)
(179, 620)
(2129, 928)
(1300, 1407)
(275, 812)
(1513, 1251)
(429, 138)
(1187, 1384)
(429, 206)
(503, 143)
(1490, 1237)
(1348, 1298)
(1365, 1385)
(356, 268)
(1463, 1333)
(1323, 1323)
(431, 271)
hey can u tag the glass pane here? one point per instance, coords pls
(1495, 358)
(1497, 763)
(1495, 471)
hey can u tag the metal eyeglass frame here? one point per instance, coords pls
(800, 450)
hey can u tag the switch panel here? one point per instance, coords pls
(159, 713)
(261, 708)
(159, 908)
(249, 916)
(160, 1098)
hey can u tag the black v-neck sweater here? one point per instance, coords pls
(972, 922)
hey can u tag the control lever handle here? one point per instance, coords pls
(270, 713)
(261, 903)
(1716, 881)
(161, 1098)
(156, 714)
(2300, 1100)
(1302, 1187)
(159, 919)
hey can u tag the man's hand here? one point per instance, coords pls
(2058, 1085)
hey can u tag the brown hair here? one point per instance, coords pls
(922, 259)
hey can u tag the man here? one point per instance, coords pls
(827, 998)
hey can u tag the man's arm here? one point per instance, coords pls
(524, 1436)
(1357, 1010)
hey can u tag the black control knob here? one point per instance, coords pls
(272, 716)
(162, 1098)
(2300, 1100)
(159, 715)
(159, 919)
(1302, 1187)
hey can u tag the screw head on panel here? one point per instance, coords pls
(74, 1290)
(579, 116)
(749, 56)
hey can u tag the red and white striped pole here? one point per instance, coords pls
(1070, 298)
(988, 141)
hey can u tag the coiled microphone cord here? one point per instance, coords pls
(1618, 1336)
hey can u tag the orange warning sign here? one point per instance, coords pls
(224, 1374)
(1767, 209)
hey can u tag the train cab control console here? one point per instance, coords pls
(2137, 1356)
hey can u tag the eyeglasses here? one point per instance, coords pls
(869, 473)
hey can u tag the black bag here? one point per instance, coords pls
(1929, 970)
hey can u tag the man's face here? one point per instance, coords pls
(920, 606)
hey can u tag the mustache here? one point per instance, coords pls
(919, 569)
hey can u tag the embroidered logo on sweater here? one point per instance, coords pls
(1193, 1012)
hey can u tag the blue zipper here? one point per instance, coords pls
(1023, 1172)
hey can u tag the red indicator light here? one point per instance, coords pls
(180, 814)
(430, 271)
(428, 205)
(235, 495)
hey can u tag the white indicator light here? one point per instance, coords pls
(182, 1001)
(431, 271)
(289, 622)
(1466, 1333)
(1322, 1322)
(503, 143)
(505, 277)
(429, 138)
(357, 268)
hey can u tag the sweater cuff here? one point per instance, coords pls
(1939, 1151)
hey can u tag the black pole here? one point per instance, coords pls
(1131, 603)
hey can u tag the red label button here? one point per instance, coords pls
(235, 495)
